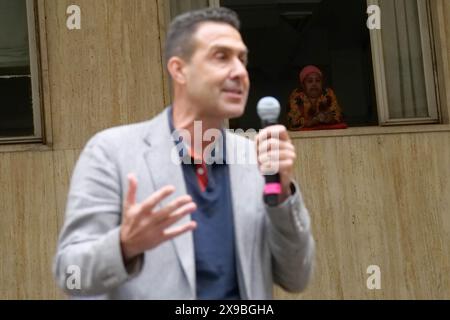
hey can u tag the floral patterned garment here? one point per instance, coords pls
(303, 114)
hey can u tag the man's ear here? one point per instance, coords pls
(176, 68)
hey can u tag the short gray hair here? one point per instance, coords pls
(179, 41)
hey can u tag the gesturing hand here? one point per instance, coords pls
(144, 227)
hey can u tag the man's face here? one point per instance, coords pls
(313, 85)
(216, 75)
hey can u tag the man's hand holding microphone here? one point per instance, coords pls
(276, 153)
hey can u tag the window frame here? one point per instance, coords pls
(429, 57)
(35, 67)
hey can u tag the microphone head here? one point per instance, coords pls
(268, 109)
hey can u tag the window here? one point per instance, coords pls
(20, 112)
(380, 77)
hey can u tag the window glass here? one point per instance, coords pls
(16, 110)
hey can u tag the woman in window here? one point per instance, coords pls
(312, 107)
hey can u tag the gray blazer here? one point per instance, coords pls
(272, 244)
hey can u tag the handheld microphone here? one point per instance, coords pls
(268, 109)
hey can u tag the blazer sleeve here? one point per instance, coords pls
(291, 242)
(89, 241)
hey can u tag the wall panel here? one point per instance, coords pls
(106, 74)
(28, 227)
(378, 201)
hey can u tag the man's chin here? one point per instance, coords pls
(232, 112)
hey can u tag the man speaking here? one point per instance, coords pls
(140, 225)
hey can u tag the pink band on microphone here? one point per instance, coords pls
(272, 188)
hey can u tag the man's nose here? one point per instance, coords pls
(239, 69)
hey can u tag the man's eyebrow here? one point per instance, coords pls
(227, 48)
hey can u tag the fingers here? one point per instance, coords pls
(276, 156)
(277, 131)
(144, 227)
(274, 144)
(276, 153)
(172, 207)
(132, 187)
(176, 231)
(150, 203)
(178, 214)
(269, 168)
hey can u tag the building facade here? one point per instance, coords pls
(378, 195)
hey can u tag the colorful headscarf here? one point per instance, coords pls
(306, 71)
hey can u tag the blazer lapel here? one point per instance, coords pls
(242, 182)
(165, 171)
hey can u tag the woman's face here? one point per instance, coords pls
(313, 85)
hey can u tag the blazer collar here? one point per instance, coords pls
(242, 181)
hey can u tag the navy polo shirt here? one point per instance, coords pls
(214, 243)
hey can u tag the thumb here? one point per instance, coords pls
(132, 187)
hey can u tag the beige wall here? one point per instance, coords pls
(376, 198)
(106, 74)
